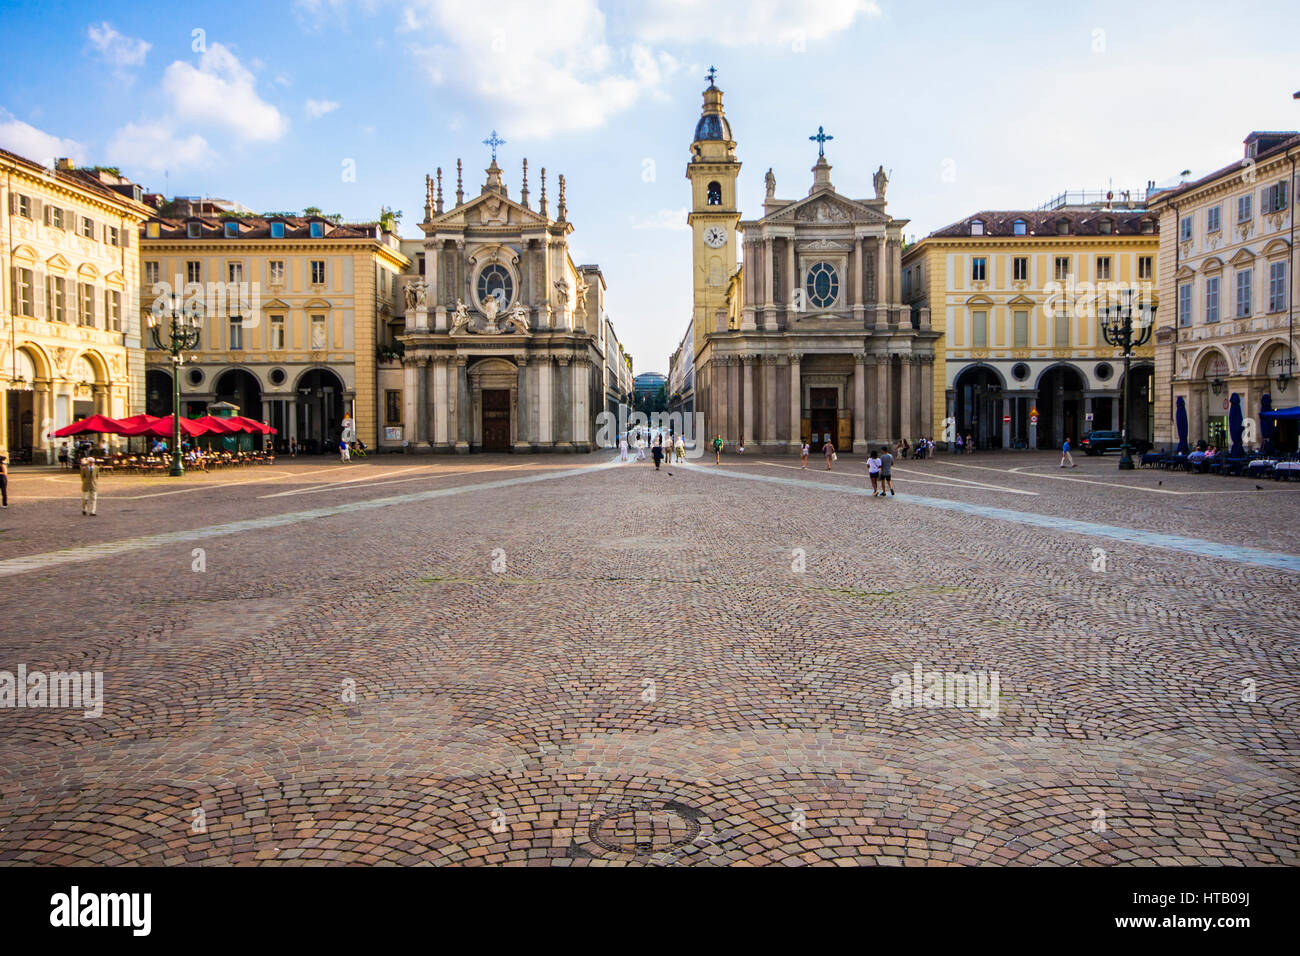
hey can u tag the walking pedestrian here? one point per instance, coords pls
(89, 486)
(886, 471)
(803, 456)
(640, 447)
(959, 444)
(63, 456)
(970, 444)
(622, 448)
(717, 449)
(4, 482)
(829, 451)
(873, 471)
(344, 452)
(680, 448)
(1065, 455)
(658, 451)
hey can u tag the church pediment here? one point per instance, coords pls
(490, 209)
(825, 210)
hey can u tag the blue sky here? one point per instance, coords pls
(971, 105)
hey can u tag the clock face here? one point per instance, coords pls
(715, 236)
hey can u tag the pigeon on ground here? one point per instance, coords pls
(1161, 482)
(1259, 487)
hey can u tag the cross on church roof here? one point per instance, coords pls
(713, 72)
(494, 141)
(820, 139)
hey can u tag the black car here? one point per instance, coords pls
(1098, 443)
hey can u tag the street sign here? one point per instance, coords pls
(1033, 419)
(1006, 419)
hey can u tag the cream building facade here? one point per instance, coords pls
(295, 311)
(810, 339)
(502, 334)
(71, 331)
(1227, 275)
(1022, 362)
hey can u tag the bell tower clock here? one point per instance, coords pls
(712, 172)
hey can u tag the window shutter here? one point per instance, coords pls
(13, 203)
(38, 294)
(126, 236)
(38, 207)
(49, 215)
(1281, 194)
(13, 288)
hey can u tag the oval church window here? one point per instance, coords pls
(823, 285)
(495, 281)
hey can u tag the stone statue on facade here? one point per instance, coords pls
(880, 181)
(491, 308)
(770, 181)
(409, 294)
(459, 318)
(421, 293)
(518, 318)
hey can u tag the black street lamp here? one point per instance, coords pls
(178, 332)
(1118, 329)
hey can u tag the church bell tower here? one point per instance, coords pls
(712, 172)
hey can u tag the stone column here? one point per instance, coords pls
(884, 418)
(458, 277)
(882, 283)
(856, 277)
(432, 264)
(718, 384)
(769, 304)
(749, 300)
(769, 400)
(544, 317)
(413, 400)
(747, 423)
(462, 413)
(1006, 425)
(291, 423)
(792, 282)
(927, 396)
(522, 405)
(859, 403)
(796, 403)
(424, 396)
(905, 424)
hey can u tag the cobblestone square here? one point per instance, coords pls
(567, 660)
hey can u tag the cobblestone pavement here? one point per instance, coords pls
(568, 661)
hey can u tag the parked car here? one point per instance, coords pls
(1098, 443)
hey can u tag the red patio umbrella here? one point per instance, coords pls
(162, 428)
(135, 421)
(95, 424)
(217, 426)
(251, 425)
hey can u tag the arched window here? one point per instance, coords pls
(495, 280)
(715, 194)
(823, 285)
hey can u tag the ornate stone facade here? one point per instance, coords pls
(502, 333)
(811, 339)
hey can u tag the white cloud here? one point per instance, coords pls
(28, 141)
(158, 146)
(670, 219)
(217, 97)
(223, 93)
(318, 108)
(117, 50)
(736, 23)
(566, 76)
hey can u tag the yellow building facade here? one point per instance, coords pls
(294, 312)
(70, 344)
(1227, 276)
(1016, 294)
